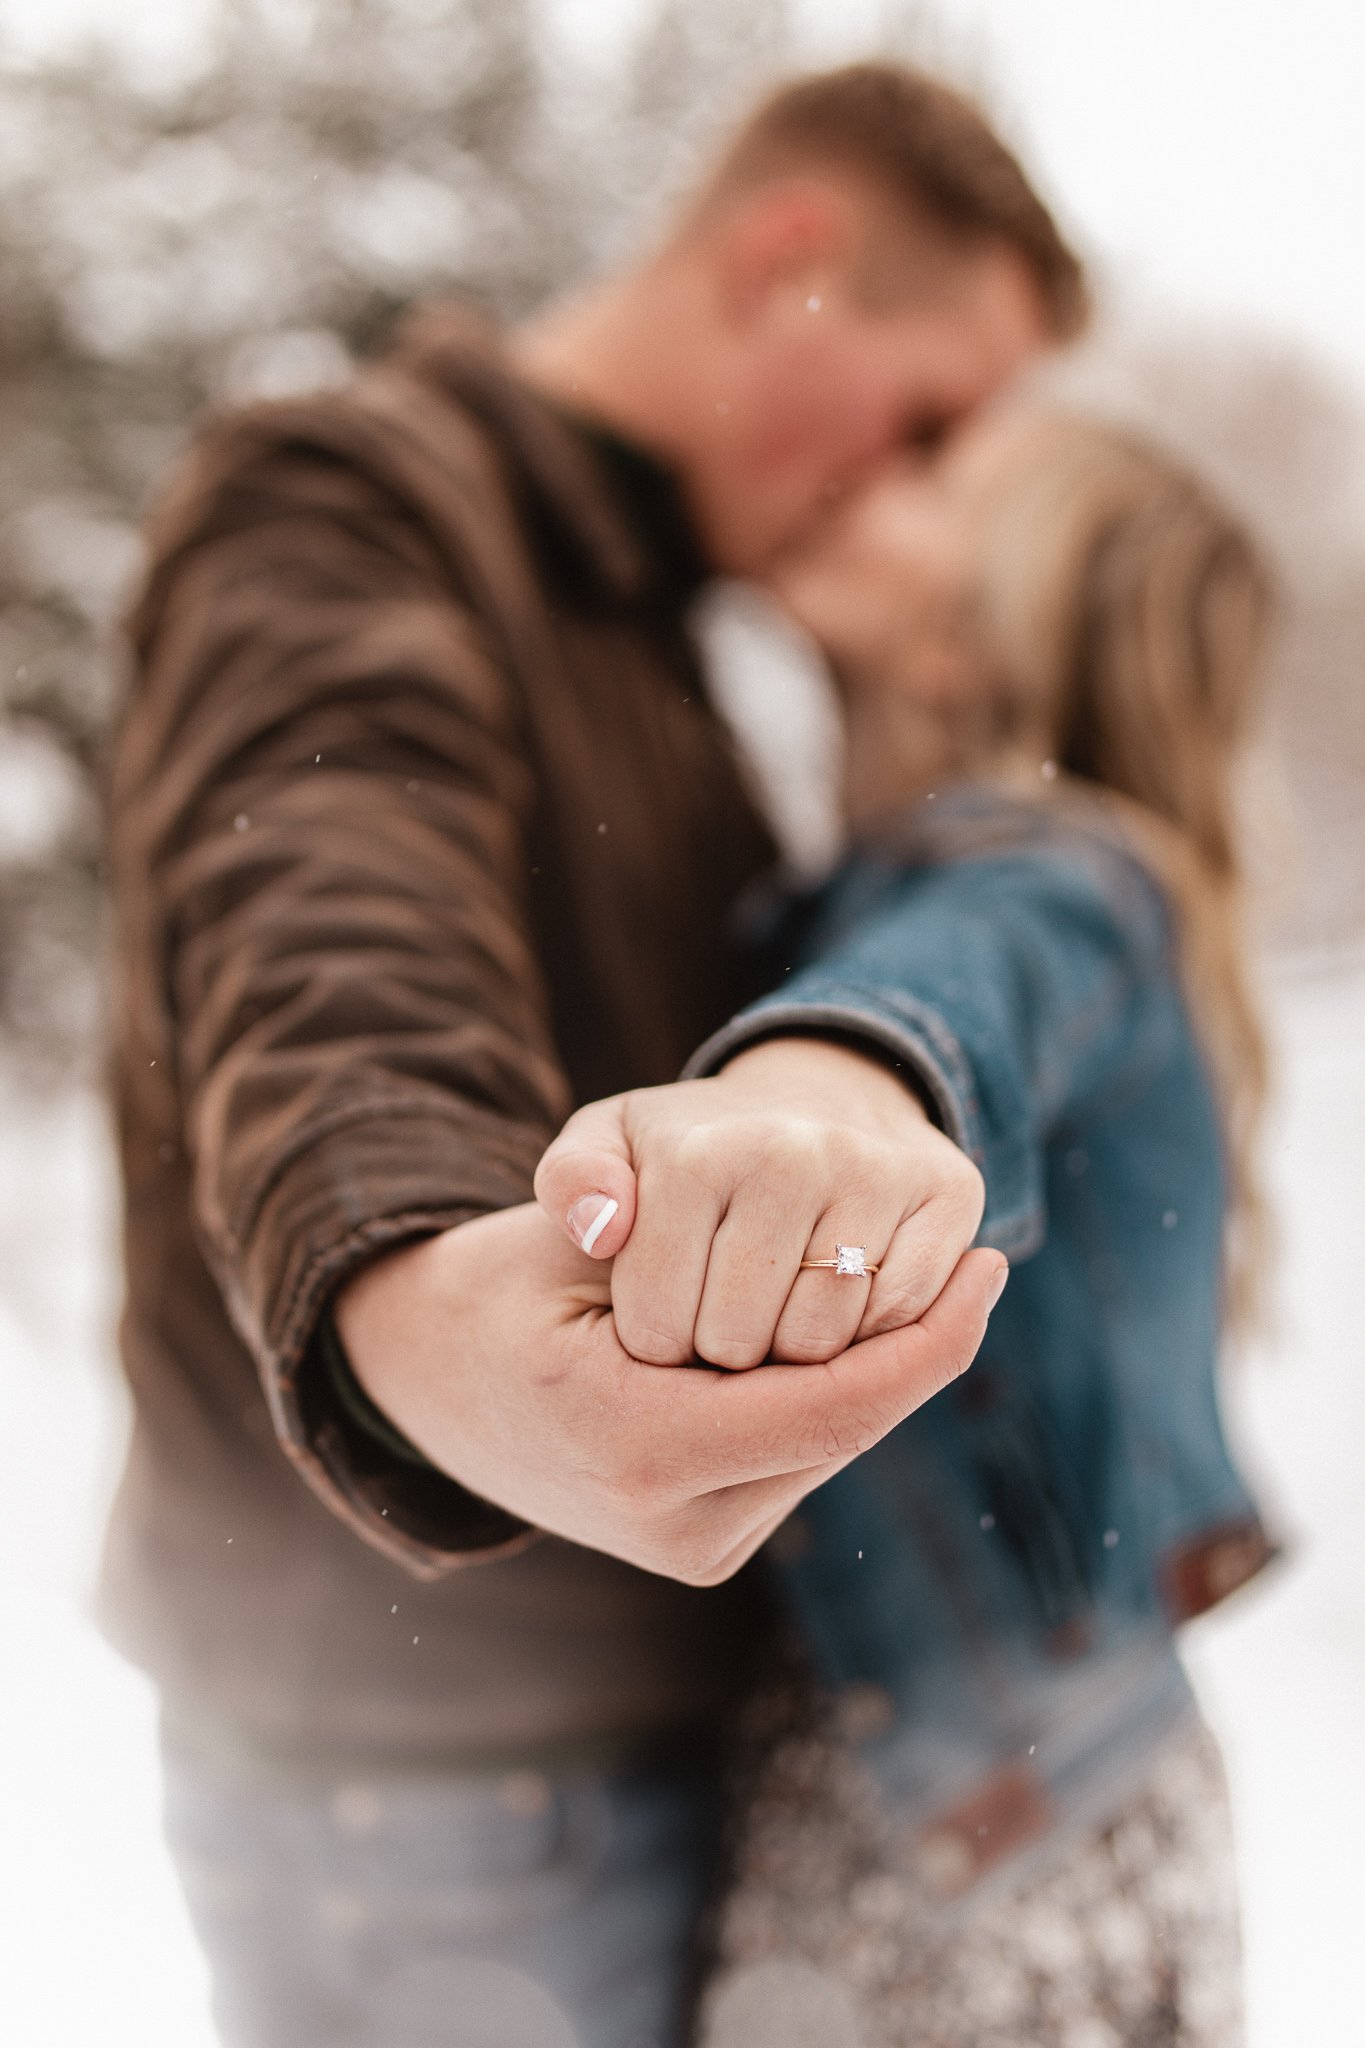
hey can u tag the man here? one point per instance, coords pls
(424, 833)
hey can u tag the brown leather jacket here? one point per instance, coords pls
(422, 832)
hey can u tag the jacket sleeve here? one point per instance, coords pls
(321, 804)
(1009, 990)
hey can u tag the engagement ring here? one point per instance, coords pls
(848, 1258)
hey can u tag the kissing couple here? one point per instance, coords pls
(675, 1418)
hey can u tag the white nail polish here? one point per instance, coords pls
(589, 1217)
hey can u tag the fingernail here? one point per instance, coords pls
(589, 1217)
(998, 1287)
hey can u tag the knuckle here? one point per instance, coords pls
(970, 1185)
(948, 1366)
(918, 1281)
(692, 1151)
(859, 1162)
(788, 1148)
(805, 1147)
(957, 1202)
(651, 1343)
(850, 1433)
(948, 1362)
(801, 1343)
(910, 1290)
(862, 1431)
(736, 1352)
(958, 1357)
(884, 1321)
(549, 1171)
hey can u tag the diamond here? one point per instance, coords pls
(851, 1258)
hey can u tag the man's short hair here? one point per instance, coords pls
(924, 145)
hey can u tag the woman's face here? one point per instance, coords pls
(890, 586)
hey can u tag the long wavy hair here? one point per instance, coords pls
(1127, 610)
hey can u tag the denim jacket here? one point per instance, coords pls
(993, 1590)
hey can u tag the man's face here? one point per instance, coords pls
(820, 390)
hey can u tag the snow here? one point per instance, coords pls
(97, 1943)
(1282, 1672)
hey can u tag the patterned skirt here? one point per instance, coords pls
(1125, 1936)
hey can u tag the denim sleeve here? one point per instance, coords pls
(1010, 990)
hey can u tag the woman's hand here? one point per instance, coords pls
(709, 1194)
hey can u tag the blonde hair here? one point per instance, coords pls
(1127, 608)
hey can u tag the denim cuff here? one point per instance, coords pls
(917, 1039)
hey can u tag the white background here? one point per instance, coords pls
(1209, 149)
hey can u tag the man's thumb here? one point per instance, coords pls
(585, 1181)
(905, 1368)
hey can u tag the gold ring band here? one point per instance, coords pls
(849, 1259)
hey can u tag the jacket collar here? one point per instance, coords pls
(599, 504)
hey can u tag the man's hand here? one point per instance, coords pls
(722, 1187)
(493, 1347)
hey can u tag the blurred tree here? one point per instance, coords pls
(243, 231)
(247, 228)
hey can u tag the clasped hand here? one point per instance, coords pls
(567, 1388)
(708, 1195)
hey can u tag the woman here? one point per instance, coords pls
(983, 1812)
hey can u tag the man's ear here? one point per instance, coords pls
(793, 235)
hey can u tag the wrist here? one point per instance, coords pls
(419, 1325)
(349, 1399)
(829, 1072)
(376, 1316)
(403, 1497)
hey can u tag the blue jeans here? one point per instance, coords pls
(431, 1909)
